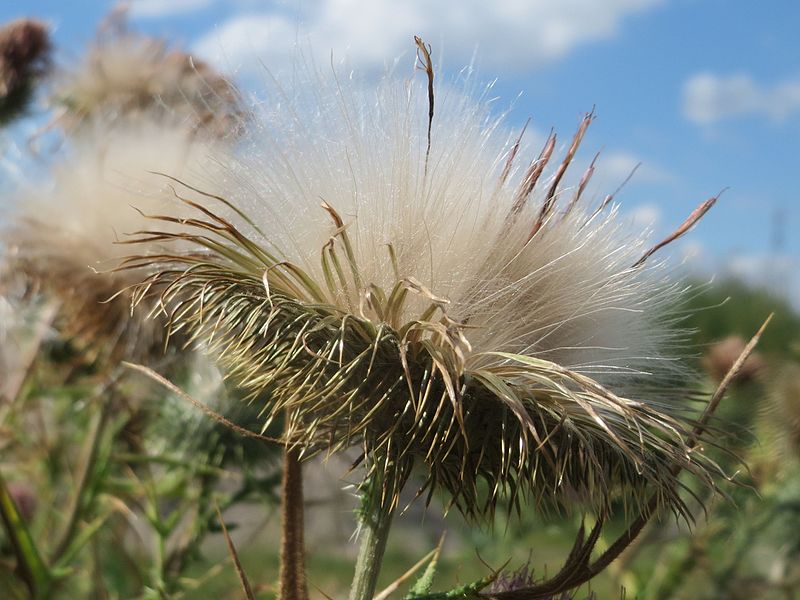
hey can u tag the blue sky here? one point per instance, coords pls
(705, 93)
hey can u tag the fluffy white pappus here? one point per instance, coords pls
(105, 185)
(62, 237)
(458, 225)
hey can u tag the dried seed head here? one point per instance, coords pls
(133, 77)
(25, 499)
(61, 237)
(429, 303)
(24, 56)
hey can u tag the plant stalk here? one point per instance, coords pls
(78, 501)
(375, 527)
(292, 554)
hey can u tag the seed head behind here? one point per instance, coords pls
(62, 237)
(132, 77)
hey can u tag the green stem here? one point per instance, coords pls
(375, 527)
(79, 500)
(31, 568)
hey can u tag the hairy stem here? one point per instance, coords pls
(375, 527)
(292, 555)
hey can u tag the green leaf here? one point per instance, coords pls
(79, 541)
(31, 567)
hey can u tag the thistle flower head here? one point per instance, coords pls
(511, 584)
(60, 236)
(24, 56)
(131, 76)
(416, 287)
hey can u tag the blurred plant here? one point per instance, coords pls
(118, 512)
(731, 307)
(780, 418)
(24, 58)
(720, 357)
(447, 321)
(132, 77)
(59, 234)
(99, 451)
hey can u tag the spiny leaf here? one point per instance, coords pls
(424, 584)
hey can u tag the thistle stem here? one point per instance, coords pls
(375, 527)
(292, 553)
(78, 503)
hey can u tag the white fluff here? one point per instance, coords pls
(61, 236)
(570, 295)
(98, 191)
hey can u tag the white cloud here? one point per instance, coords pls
(612, 169)
(165, 8)
(692, 252)
(645, 216)
(512, 34)
(243, 41)
(760, 268)
(615, 167)
(708, 98)
(618, 165)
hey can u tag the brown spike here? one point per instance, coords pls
(532, 175)
(690, 221)
(549, 202)
(582, 185)
(512, 155)
(424, 57)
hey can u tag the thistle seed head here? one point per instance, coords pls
(128, 76)
(62, 238)
(24, 56)
(407, 283)
(720, 357)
